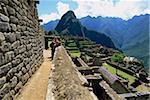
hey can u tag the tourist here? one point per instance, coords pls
(55, 43)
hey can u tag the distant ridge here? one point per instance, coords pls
(70, 25)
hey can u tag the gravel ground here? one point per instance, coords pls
(36, 87)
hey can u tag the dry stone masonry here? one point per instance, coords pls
(20, 45)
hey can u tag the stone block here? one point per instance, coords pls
(7, 97)
(19, 56)
(4, 18)
(29, 46)
(18, 35)
(15, 44)
(11, 73)
(13, 27)
(19, 16)
(30, 72)
(4, 1)
(5, 11)
(4, 69)
(5, 89)
(13, 81)
(9, 56)
(16, 2)
(2, 81)
(12, 92)
(10, 37)
(15, 62)
(18, 86)
(19, 75)
(24, 70)
(5, 27)
(2, 37)
(19, 67)
(2, 59)
(26, 61)
(25, 78)
(33, 69)
(10, 10)
(22, 48)
(5, 47)
(19, 28)
(13, 20)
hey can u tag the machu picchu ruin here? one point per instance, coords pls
(69, 62)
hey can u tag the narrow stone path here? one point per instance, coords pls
(36, 87)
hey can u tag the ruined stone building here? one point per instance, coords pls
(20, 44)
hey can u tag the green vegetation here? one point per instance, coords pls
(49, 42)
(86, 42)
(53, 32)
(142, 88)
(117, 57)
(72, 45)
(74, 53)
(88, 57)
(112, 70)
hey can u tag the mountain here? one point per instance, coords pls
(70, 25)
(112, 27)
(131, 36)
(50, 25)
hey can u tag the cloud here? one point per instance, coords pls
(61, 9)
(122, 8)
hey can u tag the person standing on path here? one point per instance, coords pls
(55, 43)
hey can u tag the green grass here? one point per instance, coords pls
(75, 54)
(86, 42)
(72, 44)
(49, 42)
(143, 88)
(74, 48)
(88, 57)
(112, 70)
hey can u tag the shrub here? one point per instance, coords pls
(117, 57)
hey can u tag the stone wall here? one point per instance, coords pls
(20, 45)
(66, 81)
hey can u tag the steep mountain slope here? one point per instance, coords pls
(69, 24)
(110, 26)
(136, 39)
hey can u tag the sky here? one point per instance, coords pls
(50, 10)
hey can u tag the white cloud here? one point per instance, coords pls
(123, 8)
(61, 9)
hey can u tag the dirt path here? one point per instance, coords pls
(36, 87)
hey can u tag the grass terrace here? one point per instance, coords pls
(123, 75)
(74, 53)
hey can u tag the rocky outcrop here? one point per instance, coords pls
(20, 45)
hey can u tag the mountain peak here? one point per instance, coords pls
(70, 14)
(69, 24)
